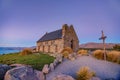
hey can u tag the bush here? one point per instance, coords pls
(85, 74)
(66, 51)
(65, 54)
(26, 51)
(113, 56)
(116, 47)
(99, 54)
(83, 52)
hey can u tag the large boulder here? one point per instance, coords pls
(3, 69)
(23, 73)
(63, 77)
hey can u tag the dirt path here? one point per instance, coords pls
(103, 69)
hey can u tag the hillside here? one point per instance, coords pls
(97, 45)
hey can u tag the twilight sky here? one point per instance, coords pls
(23, 22)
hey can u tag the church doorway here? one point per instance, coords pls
(71, 44)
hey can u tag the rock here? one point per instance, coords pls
(75, 55)
(79, 55)
(55, 62)
(3, 69)
(110, 79)
(71, 57)
(51, 67)
(95, 78)
(63, 77)
(45, 69)
(59, 58)
(23, 73)
(19, 65)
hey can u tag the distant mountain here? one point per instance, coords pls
(12, 48)
(16, 48)
(98, 45)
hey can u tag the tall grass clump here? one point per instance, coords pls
(26, 51)
(66, 51)
(99, 54)
(114, 56)
(83, 52)
(85, 74)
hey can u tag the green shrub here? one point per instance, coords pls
(116, 47)
(99, 54)
(83, 52)
(85, 74)
(26, 51)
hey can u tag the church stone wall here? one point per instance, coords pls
(52, 46)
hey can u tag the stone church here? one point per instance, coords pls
(56, 41)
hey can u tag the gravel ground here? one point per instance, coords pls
(103, 69)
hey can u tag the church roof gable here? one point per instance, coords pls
(51, 36)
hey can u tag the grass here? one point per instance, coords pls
(37, 61)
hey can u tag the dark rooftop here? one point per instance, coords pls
(51, 36)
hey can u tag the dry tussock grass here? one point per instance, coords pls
(99, 54)
(113, 56)
(26, 51)
(83, 52)
(66, 51)
(85, 74)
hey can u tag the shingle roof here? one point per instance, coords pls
(51, 36)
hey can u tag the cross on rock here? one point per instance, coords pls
(103, 37)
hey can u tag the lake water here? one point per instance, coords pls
(6, 51)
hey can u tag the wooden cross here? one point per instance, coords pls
(103, 37)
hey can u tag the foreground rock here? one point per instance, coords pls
(23, 73)
(3, 70)
(45, 69)
(63, 77)
(19, 65)
(95, 78)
